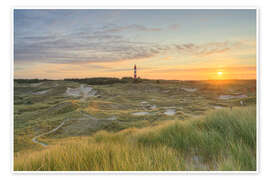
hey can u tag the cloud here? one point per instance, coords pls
(125, 69)
(81, 48)
(194, 70)
(85, 44)
(132, 27)
(93, 43)
(208, 49)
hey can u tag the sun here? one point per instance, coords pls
(220, 73)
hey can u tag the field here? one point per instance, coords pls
(149, 125)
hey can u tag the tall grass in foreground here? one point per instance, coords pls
(222, 140)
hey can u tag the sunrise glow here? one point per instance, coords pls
(220, 73)
(164, 44)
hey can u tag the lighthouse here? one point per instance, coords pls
(135, 75)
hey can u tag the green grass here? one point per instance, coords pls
(220, 140)
(220, 134)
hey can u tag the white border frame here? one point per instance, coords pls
(258, 91)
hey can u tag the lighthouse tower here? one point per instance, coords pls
(135, 75)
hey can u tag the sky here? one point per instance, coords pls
(179, 44)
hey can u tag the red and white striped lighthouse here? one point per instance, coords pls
(135, 76)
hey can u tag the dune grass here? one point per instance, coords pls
(220, 140)
(35, 114)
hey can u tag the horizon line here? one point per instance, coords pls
(131, 78)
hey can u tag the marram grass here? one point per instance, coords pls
(221, 140)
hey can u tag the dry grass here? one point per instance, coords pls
(222, 140)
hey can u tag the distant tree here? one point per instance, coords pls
(98, 80)
(126, 79)
(137, 80)
(30, 80)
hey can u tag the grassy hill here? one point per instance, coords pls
(41, 105)
(219, 140)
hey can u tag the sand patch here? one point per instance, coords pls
(55, 85)
(148, 106)
(140, 113)
(189, 89)
(83, 90)
(166, 91)
(73, 92)
(36, 84)
(218, 107)
(224, 97)
(170, 112)
(153, 107)
(113, 118)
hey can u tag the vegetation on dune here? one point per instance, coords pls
(220, 140)
(220, 137)
(30, 80)
(223, 140)
(101, 80)
(41, 106)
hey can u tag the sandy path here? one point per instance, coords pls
(88, 116)
(34, 139)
